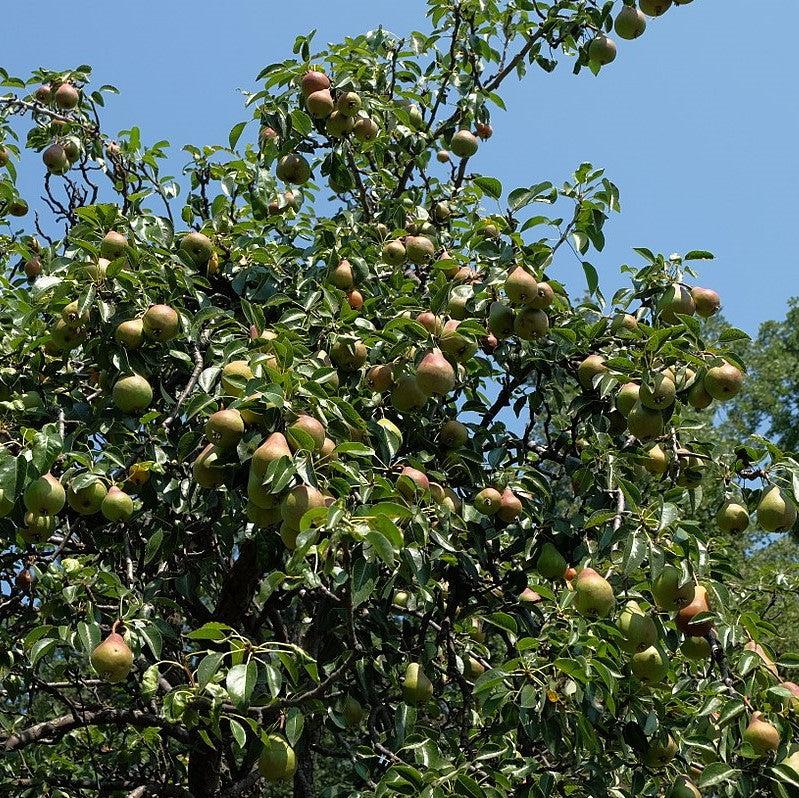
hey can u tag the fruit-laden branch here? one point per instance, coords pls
(51, 731)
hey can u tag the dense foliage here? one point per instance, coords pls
(317, 480)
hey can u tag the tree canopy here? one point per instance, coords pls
(315, 479)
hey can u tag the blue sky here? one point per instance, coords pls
(696, 122)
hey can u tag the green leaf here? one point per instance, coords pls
(210, 631)
(240, 682)
(208, 667)
(235, 134)
(239, 734)
(490, 186)
(717, 773)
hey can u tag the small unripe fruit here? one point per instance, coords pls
(488, 501)
(132, 394)
(113, 245)
(630, 23)
(349, 103)
(602, 50)
(130, 333)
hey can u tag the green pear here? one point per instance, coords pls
(530, 324)
(161, 323)
(113, 245)
(668, 591)
(654, 8)
(589, 369)
(627, 397)
(87, 500)
(453, 434)
(500, 319)
(352, 711)
(273, 448)
(278, 761)
(520, 286)
(683, 787)
(776, 512)
(130, 333)
(602, 50)
(488, 501)
(225, 428)
(550, 563)
(417, 689)
(661, 751)
(310, 426)
(198, 247)
(406, 394)
(676, 300)
(638, 629)
(298, 501)
(696, 648)
(132, 394)
(593, 595)
(45, 496)
(698, 397)
(707, 301)
(207, 469)
(724, 381)
(762, 736)
(472, 668)
(732, 517)
(117, 505)
(658, 393)
(630, 23)
(655, 460)
(464, 144)
(649, 665)
(644, 423)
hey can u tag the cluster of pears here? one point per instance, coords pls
(341, 109)
(776, 512)
(59, 156)
(525, 316)
(630, 23)
(343, 278)
(112, 659)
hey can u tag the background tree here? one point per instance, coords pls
(321, 482)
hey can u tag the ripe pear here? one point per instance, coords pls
(464, 144)
(432, 323)
(593, 595)
(161, 323)
(55, 159)
(520, 286)
(132, 394)
(676, 300)
(630, 23)
(435, 375)
(638, 629)
(380, 378)
(348, 354)
(698, 397)
(762, 736)
(488, 501)
(649, 665)
(312, 427)
(412, 481)
(225, 428)
(341, 276)
(113, 245)
(589, 369)
(417, 689)
(696, 648)
(419, 249)
(66, 96)
(644, 423)
(394, 253)
(706, 301)
(543, 297)
(683, 787)
(658, 393)
(627, 397)
(112, 659)
(234, 374)
(510, 506)
(660, 751)
(278, 761)
(531, 323)
(732, 517)
(273, 448)
(320, 104)
(293, 168)
(198, 247)
(349, 103)
(685, 616)
(776, 512)
(297, 502)
(365, 129)
(550, 563)
(45, 496)
(313, 81)
(117, 505)
(654, 8)
(43, 94)
(33, 267)
(602, 50)
(87, 500)
(668, 591)
(723, 382)
(500, 319)
(453, 434)
(406, 394)
(207, 470)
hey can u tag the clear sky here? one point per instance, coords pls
(697, 121)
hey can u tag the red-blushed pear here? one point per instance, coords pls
(132, 394)
(112, 659)
(657, 393)
(45, 496)
(113, 245)
(442, 156)
(660, 751)
(464, 144)
(630, 23)
(488, 501)
(732, 517)
(43, 94)
(311, 427)
(706, 301)
(435, 375)
(273, 448)
(277, 761)
(520, 286)
(791, 702)
(500, 319)
(683, 787)
(161, 323)
(225, 428)
(412, 482)
(724, 381)
(453, 434)
(417, 689)
(297, 502)
(644, 423)
(33, 267)
(638, 629)
(313, 81)
(768, 662)
(529, 596)
(676, 301)
(293, 168)
(66, 96)
(685, 616)
(483, 130)
(207, 470)
(117, 505)
(776, 512)
(406, 395)
(55, 159)
(328, 450)
(762, 736)
(669, 592)
(88, 499)
(627, 397)
(602, 50)
(589, 369)
(394, 253)
(349, 103)
(550, 563)
(341, 276)
(593, 594)
(654, 8)
(366, 129)
(510, 506)
(649, 665)
(320, 104)
(380, 378)
(696, 649)
(432, 323)
(419, 249)
(530, 324)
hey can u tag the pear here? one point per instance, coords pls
(655, 460)
(66, 96)
(313, 81)
(64, 336)
(198, 247)
(355, 299)
(543, 297)
(400, 599)
(531, 323)
(630, 23)
(338, 125)
(87, 500)
(278, 761)
(206, 469)
(623, 322)
(654, 8)
(225, 428)
(510, 506)
(488, 501)
(683, 787)
(627, 397)
(38, 528)
(407, 395)
(273, 448)
(112, 659)
(668, 591)
(692, 469)
(262, 517)
(45, 496)
(474, 628)
(293, 168)
(73, 317)
(550, 563)
(602, 50)
(723, 382)
(706, 301)
(55, 159)
(349, 103)
(500, 319)
(352, 711)
(676, 301)
(410, 481)
(435, 375)
(234, 374)
(453, 434)
(638, 629)
(649, 665)
(593, 595)
(768, 662)
(419, 249)
(417, 689)
(732, 517)
(472, 668)
(644, 423)
(132, 394)
(775, 511)
(589, 369)
(529, 596)
(696, 648)
(698, 397)
(685, 616)
(130, 333)
(520, 286)
(161, 323)
(380, 378)
(365, 129)
(341, 276)
(464, 144)
(310, 426)
(320, 104)
(394, 253)
(113, 245)
(762, 736)
(793, 701)
(658, 393)
(297, 502)
(116, 505)
(454, 344)
(348, 354)
(660, 751)
(432, 323)
(33, 267)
